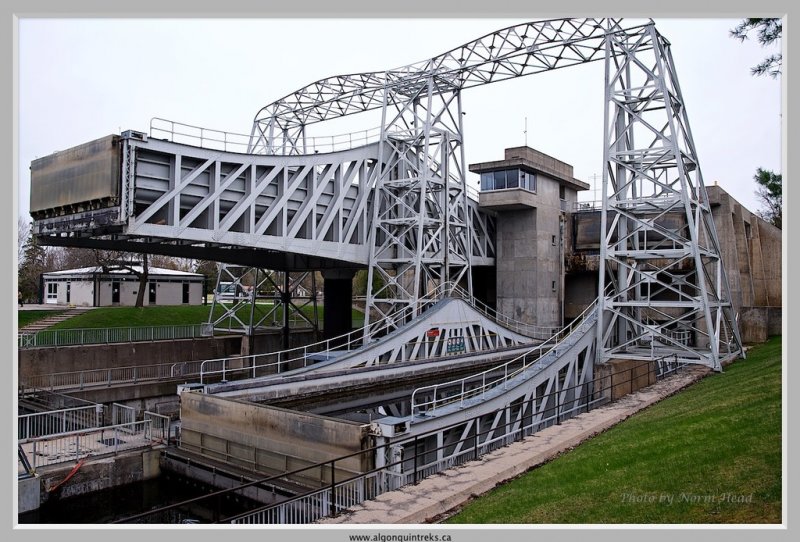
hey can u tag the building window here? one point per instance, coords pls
(508, 178)
(151, 293)
(185, 293)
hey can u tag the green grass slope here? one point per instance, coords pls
(710, 454)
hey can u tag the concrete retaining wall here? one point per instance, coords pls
(618, 378)
(40, 361)
(94, 475)
(270, 439)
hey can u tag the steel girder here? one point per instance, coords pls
(318, 204)
(272, 299)
(450, 327)
(660, 251)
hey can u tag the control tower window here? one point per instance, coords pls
(508, 178)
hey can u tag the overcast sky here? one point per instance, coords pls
(83, 79)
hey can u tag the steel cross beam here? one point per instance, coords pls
(669, 289)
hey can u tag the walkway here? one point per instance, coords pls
(44, 323)
(442, 493)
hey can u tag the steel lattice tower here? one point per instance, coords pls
(420, 236)
(660, 255)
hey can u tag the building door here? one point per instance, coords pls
(52, 292)
(185, 293)
(152, 293)
(68, 289)
(115, 292)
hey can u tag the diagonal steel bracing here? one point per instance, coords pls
(660, 253)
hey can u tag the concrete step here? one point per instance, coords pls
(49, 321)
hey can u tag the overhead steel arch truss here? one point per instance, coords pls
(660, 251)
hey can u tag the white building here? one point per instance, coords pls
(91, 287)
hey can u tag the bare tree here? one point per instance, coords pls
(111, 260)
(23, 231)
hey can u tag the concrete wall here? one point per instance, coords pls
(618, 378)
(751, 251)
(270, 439)
(530, 260)
(39, 361)
(99, 474)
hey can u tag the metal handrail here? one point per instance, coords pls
(51, 422)
(109, 335)
(72, 445)
(210, 138)
(550, 345)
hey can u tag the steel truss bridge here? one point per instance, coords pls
(396, 202)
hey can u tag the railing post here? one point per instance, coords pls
(558, 407)
(333, 488)
(416, 455)
(477, 436)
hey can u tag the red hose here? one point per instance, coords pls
(70, 475)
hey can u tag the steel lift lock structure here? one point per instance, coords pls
(394, 200)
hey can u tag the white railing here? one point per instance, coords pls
(41, 424)
(73, 446)
(158, 428)
(508, 371)
(314, 506)
(71, 337)
(177, 132)
(122, 414)
(93, 378)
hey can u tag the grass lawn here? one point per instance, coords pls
(28, 317)
(710, 454)
(164, 316)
